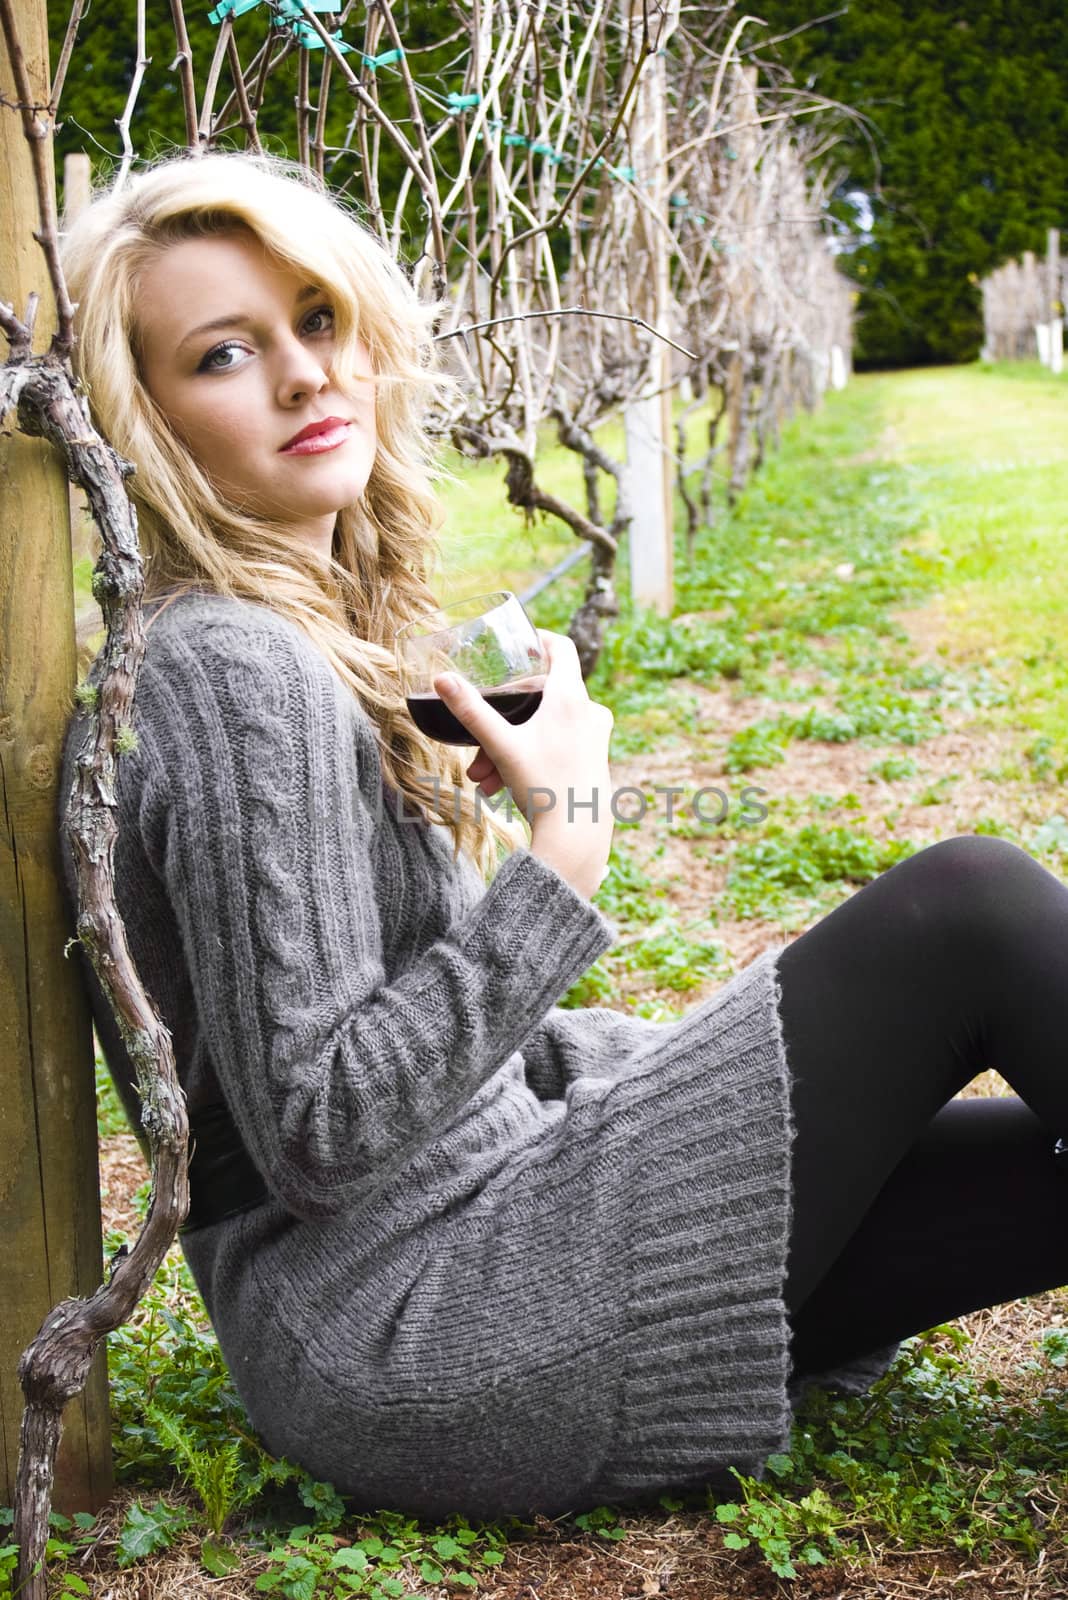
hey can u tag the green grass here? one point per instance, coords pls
(789, 870)
(487, 543)
(992, 474)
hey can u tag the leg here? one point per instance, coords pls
(975, 1214)
(953, 961)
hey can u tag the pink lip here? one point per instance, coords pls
(317, 437)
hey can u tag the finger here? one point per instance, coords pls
(465, 702)
(487, 779)
(551, 643)
(564, 665)
(558, 643)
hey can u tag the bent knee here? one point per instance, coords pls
(976, 886)
(969, 853)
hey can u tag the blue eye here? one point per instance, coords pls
(208, 364)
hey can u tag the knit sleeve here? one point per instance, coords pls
(335, 1077)
(587, 1042)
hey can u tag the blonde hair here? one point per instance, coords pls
(385, 544)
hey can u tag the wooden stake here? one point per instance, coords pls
(1053, 299)
(740, 373)
(647, 418)
(50, 1244)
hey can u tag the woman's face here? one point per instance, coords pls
(237, 391)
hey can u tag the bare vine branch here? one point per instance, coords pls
(566, 311)
(37, 130)
(60, 75)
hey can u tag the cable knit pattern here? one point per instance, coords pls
(513, 1258)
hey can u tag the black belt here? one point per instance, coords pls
(223, 1178)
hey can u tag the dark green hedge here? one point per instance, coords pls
(970, 106)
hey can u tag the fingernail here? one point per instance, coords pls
(447, 681)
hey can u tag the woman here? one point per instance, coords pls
(464, 1250)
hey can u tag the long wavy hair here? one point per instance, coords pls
(385, 545)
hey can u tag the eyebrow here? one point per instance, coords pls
(236, 319)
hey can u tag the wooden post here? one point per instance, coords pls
(1035, 315)
(647, 419)
(50, 1244)
(1055, 310)
(740, 371)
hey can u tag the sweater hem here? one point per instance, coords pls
(725, 1328)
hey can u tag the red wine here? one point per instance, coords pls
(433, 717)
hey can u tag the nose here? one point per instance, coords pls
(301, 371)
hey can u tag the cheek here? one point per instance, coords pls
(219, 431)
(219, 450)
(366, 409)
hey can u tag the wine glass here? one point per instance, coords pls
(488, 639)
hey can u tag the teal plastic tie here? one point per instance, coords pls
(462, 102)
(227, 8)
(285, 12)
(386, 59)
(307, 36)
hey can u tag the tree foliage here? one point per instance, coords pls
(965, 166)
(105, 59)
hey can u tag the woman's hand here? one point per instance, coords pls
(554, 765)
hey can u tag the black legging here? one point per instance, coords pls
(909, 1210)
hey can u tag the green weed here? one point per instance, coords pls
(893, 768)
(937, 793)
(762, 744)
(783, 871)
(864, 712)
(596, 987)
(673, 961)
(381, 1561)
(69, 1540)
(110, 1113)
(1047, 760)
(627, 893)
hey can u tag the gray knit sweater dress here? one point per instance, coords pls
(513, 1258)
